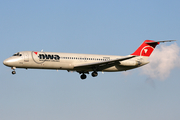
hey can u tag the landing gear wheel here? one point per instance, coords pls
(13, 72)
(83, 76)
(94, 74)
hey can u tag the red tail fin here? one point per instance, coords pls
(146, 48)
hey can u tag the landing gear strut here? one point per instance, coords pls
(83, 76)
(94, 74)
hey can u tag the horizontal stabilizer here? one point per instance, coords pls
(157, 42)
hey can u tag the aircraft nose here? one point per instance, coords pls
(11, 61)
(5, 62)
(8, 62)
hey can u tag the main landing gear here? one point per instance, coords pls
(94, 74)
(83, 76)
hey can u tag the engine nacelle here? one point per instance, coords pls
(130, 63)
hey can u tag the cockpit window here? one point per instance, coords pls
(17, 54)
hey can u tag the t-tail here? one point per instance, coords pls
(147, 47)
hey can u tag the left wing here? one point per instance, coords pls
(99, 66)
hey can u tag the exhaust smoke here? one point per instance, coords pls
(162, 61)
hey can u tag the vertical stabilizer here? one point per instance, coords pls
(146, 48)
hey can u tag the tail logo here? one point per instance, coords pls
(146, 51)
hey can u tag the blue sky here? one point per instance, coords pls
(94, 27)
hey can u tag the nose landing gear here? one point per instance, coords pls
(13, 72)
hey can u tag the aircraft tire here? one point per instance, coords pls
(13, 72)
(94, 74)
(83, 76)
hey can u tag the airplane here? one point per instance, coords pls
(82, 63)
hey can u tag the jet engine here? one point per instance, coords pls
(130, 63)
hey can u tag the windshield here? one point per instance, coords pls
(17, 54)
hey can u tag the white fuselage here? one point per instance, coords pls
(68, 61)
(82, 63)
